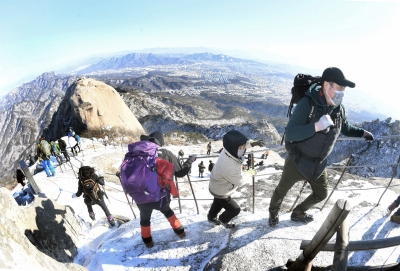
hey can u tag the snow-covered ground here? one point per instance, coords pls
(252, 245)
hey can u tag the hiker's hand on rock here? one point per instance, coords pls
(324, 122)
(368, 136)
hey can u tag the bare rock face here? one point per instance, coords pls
(89, 104)
(42, 236)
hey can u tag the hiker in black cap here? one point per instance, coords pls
(311, 133)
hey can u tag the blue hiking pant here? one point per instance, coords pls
(47, 166)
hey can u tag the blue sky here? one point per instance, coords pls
(360, 37)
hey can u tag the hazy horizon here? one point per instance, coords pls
(359, 37)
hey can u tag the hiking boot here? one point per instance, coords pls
(215, 221)
(395, 218)
(301, 216)
(180, 232)
(148, 241)
(228, 225)
(111, 221)
(91, 215)
(273, 218)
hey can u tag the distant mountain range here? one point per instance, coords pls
(202, 92)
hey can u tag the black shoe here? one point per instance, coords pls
(91, 215)
(111, 221)
(273, 218)
(228, 225)
(215, 221)
(301, 217)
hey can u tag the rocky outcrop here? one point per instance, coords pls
(42, 236)
(24, 113)
(89, 104)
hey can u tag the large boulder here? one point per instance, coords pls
(42, 236)
(89, 104)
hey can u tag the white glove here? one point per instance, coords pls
(74, 195)
(324, 122)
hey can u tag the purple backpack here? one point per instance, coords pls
(139, 174)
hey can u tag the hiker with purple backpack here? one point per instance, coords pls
(147, 176)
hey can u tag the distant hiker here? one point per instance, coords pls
(144, 201)
(20, 177)
(89, 184)
(208, 147)
(180, 156)
(55, 151)
(226, 177)
(31, 160)
(249, 161)
(201, 169)
(310, 141)
(396, 216)
(210, 165)
(63, 148)
(71, 132)
(265, 154)
(77, 145)
(220, 150)
(44, 152)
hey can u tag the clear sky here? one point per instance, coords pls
(360, 37)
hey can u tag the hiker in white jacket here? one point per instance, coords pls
(226, 177)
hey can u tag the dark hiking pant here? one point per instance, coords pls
(231, 207)
(65, 153)
(73, 149)
(101, 203)
(146, 210)
(289, 177)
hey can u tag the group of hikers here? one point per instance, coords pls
(308, 145)
(55, 148)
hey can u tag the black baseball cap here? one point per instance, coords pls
(335, 75)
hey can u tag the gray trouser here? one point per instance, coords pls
(290, 176)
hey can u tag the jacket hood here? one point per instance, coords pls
(232, 141)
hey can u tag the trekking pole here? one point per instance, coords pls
(105, 194)
(59, 163)
(393, 175)
(347, 164)
(179, 197)
(194, 196)
(72, 168)
(252, 166)
(118, 174)
(301, 191)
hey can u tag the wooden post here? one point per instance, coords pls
(341, 248)
(179, 197)
(360, 245)
(393, 175)
(335, 218)
(347, 164)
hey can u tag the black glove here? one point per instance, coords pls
(254, 142)
(367, 135)
(192, 158)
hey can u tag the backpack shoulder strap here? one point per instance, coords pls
(310, 117)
